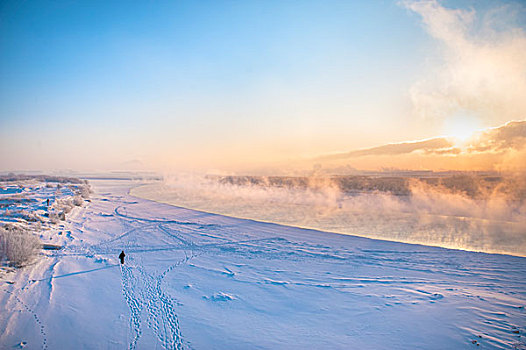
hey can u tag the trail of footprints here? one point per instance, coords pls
(35, 316)
(129, 283)
(143, 291)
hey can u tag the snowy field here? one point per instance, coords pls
(204, 281)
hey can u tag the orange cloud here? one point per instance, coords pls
(501, 148)
(394, 149)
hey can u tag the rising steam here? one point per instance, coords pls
(467, 212)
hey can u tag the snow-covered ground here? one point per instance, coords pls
(199, 280)
(41, 206)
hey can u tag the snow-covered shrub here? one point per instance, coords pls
(63, 204)
(31, 217)
(84, 191)
(17, 246)
(78, 201)
(67, 205)
(38, 225)
(53, 217)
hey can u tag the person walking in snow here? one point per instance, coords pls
(121, 256)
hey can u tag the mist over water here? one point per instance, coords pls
(468, 212)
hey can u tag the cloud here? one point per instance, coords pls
(482, 67)
(500, 148)
(508, 137)
(435, 144)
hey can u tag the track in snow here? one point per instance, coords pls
(35, 317)
(142, 288)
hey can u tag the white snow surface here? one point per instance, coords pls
(194, 280)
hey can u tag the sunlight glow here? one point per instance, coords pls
(461, 128)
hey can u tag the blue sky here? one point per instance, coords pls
(94, 83)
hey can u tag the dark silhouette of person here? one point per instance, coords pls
(48, 202)
(121, 256)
